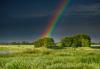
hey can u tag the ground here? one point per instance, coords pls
(28, 57)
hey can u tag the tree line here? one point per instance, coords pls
(17, 43)
(78, 40)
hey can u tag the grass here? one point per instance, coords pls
(28, 57)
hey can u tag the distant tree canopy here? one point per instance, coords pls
(60, 45)
(39, 43)
(67, 41)
(17, 43)
(47, 42)
(79, 40)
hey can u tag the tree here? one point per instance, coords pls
(76, 42)
(67, 41)
(14, 43)
(81, 40)
(39, 43)
(60, 45)
(47, 42)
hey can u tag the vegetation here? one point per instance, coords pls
(45, 42)
(28, 57)
(83, 40)
(60, 45)
(79, 40)
(39, 43)
(17, 43)
(42, 54)
(49, 42)
(67, 41)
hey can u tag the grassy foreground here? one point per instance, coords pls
(28, 57)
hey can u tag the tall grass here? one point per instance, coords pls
(28, 57)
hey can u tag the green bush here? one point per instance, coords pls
(82, 40)
(39, 42)
(60, 45)
(45, 42)
(66, 41)
(49, 43)
(79, 40)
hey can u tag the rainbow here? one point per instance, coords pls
(58, 14)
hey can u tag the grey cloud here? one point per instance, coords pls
(88, 10)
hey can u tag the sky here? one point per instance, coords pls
(26, 20)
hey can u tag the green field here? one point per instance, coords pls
(28, 57)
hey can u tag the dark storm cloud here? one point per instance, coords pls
(27, 19)
(93, 9)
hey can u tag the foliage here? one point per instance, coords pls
(47, 42)
(44, 58)
(60, 45)
(66, 41)
(79, 40)
(83, 40)
(17, 43)
(39, 43)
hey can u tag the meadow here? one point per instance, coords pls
(28, 57)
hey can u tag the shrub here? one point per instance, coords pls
(60, 45)
(79, 40)
(39, 42)
(66, 41)
(47, 42)
(82, 40)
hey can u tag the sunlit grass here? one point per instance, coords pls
(28, 57)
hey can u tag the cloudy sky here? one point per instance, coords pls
(27, 19)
